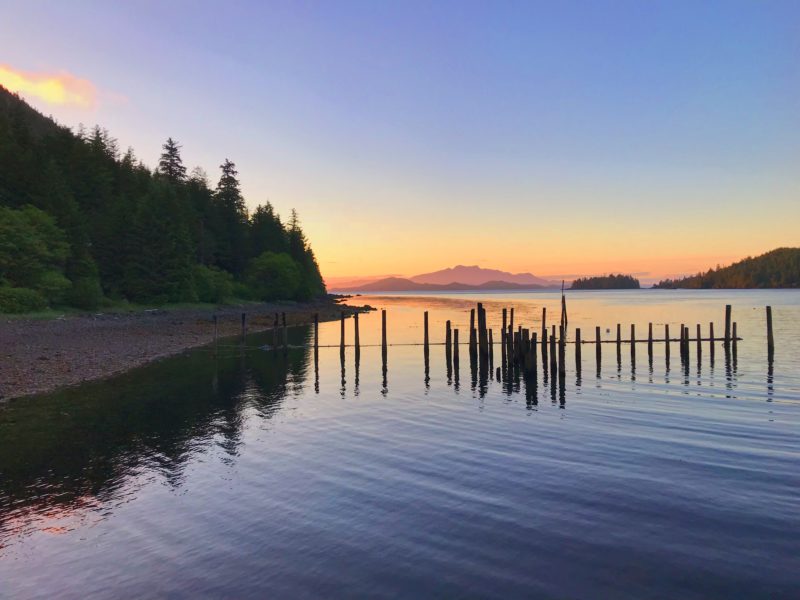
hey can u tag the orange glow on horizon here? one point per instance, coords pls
(54, 88)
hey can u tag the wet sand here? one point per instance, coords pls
(42, 355)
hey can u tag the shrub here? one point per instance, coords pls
(53, 286)
(86, 293)
(212, 284)
(274, 276)
(20, 300)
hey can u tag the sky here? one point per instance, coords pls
(558, 138)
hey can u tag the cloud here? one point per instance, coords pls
(54, 88)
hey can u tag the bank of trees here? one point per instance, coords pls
(83, 224)
(779, 268)
(606, 282)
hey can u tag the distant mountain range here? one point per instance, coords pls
(459, 278)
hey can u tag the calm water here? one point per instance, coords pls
(254, 473)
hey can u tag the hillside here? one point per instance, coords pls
(83, 224)
(779, 268)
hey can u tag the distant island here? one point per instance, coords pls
(606, 282)
(779, 268)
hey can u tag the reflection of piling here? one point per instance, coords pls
(770, 337)
(727, 324)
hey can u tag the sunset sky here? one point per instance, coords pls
(558, 138)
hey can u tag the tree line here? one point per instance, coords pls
(83, 224)
(606, 282)
(779, 268)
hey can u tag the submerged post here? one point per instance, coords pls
(770, 338)
(727, 323)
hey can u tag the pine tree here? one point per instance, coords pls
(170, 165)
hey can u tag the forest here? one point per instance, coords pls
(85, 225)
(779, 268)
(606, 282)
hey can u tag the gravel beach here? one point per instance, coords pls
(42, 355)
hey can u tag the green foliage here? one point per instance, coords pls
(212, 284)
(86, 294)
(779, 268)
(30, 245)
(79, 222)
(273, 276)
(19, 300)
(606, 282)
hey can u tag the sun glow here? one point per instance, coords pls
(54, 88)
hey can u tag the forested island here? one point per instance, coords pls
(606, 282)
(779, 268)
(85, 225)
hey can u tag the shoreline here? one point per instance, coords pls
(43, 355)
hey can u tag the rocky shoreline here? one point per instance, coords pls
(43, 355)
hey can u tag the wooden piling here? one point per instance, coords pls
(544, 322)
(578, 349)
(383, 330)
(770, 337)
(216, 329)
(285, 331)
(511, 321)
(699, 343)
(483, 338)
(650, 341)
(448, 337)
(455, 346)
(316, 330)
(561, 353)
(341, 338)
(357, 336)
(473, 342)
(727, 323)
(633, 341)
(619, 338)
(735, 337)
(491, 347)
(244, 325)
(666, 341)
(425, 326)
(553, 360)
(503, 330)
(598, 353)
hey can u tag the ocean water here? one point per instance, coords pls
(246, 471)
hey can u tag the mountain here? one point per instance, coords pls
(400, 284)
(475, 275)
(779, 268)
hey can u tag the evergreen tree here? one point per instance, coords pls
(170, 165)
